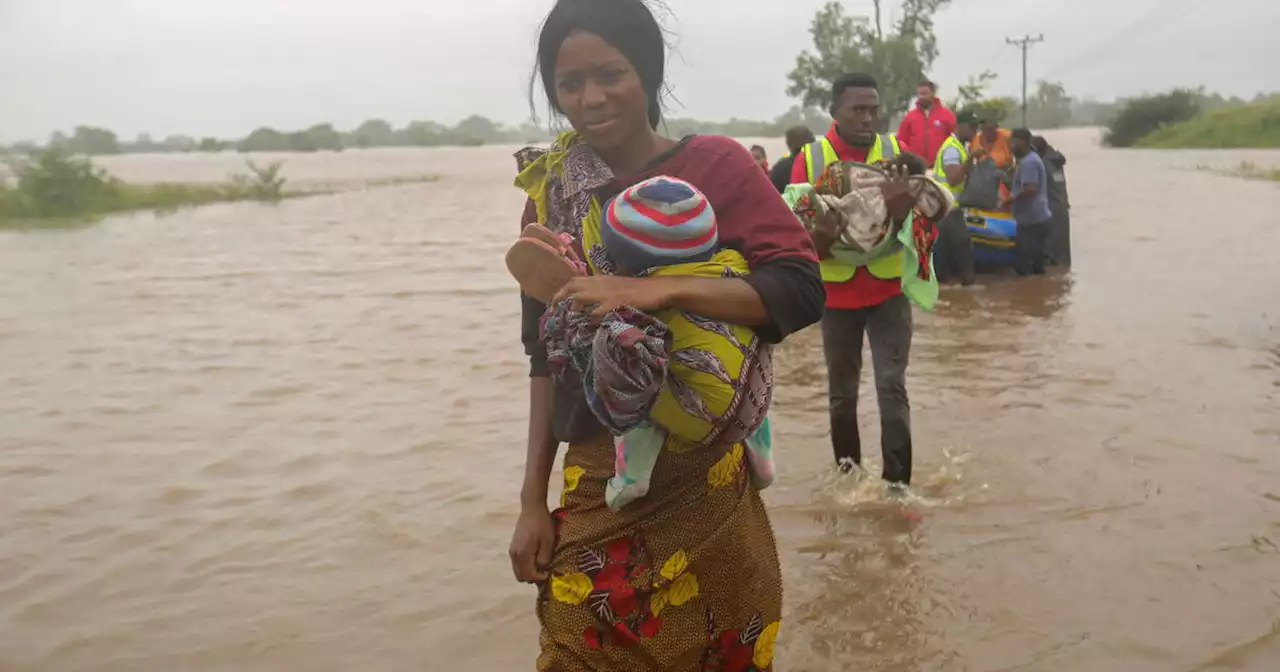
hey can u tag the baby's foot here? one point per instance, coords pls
(540, 268)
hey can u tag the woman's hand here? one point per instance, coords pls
(604, 293)
(532, 544)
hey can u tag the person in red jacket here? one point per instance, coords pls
(926, 127)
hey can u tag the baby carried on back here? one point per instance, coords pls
(667, 381)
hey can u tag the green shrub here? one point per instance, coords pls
(1256, 125)
(53, 183)
(54, 188)
(263, 183)
(1140, 117)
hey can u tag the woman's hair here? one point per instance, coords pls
(628, 25)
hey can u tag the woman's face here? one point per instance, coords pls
(600, 92)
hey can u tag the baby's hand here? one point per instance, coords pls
(831, 224)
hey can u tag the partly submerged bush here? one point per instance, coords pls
(53, 187)
(1140, 117)
(263, 183)
(53, 184)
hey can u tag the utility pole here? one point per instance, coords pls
(1024, 43)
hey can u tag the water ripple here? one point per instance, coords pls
(262, 438)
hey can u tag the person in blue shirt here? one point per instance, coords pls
(1030, 201)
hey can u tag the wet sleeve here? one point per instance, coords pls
(793, 295)
(754, 220)
(531, 311)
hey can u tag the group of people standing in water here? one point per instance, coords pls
(683, 574)
(952, 145)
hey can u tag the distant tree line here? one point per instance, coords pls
(1126, 120)
(1049, 107)
(470, 132)
(815, 119)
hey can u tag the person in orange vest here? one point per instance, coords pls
(995, 141)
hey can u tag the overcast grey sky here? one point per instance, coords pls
(224, 67)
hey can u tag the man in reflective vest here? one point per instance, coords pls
(953, 254)
(863, 299)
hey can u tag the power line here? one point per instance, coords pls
(1168, 10)
(1033, 11)
(1040, 12)
(1024, 43)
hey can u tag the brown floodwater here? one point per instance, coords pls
(260, 438)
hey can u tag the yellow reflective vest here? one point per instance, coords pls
(817, 156)
(940, 171)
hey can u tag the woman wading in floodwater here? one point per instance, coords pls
(687, 576)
